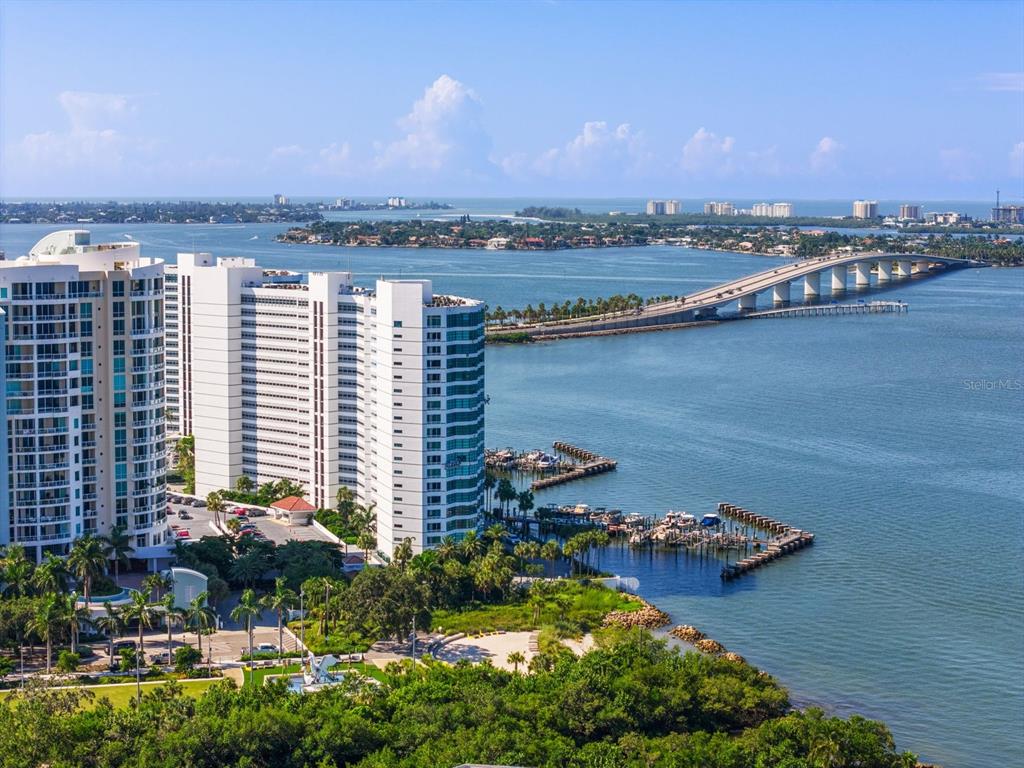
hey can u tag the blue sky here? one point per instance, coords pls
(798, 100)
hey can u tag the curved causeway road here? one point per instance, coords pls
(886, 268)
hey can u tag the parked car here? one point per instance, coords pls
(182, 534)
(184, 515)
(266, 648)
(254, 512)
(163, 658)
(198, 503)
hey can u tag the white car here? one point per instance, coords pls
(266, 648)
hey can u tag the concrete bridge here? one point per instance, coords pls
(809, 280)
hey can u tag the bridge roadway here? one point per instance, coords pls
(889, 268)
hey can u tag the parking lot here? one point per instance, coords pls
(200, 523)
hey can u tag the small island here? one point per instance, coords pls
(518, 235)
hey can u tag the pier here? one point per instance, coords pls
(826, 310)
(786, 540)
(592, 464)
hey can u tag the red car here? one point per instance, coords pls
(182, 534)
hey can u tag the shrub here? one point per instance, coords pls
(68, 661)
(185, 658)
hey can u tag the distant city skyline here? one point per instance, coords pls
(198, 100)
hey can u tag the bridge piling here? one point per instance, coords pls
(839, 278)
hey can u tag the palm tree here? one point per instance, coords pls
(50, 576)
(489, 482)
(278, 601)
(215, 504)
(200, 617)
(471, 546)
(515, 659)
(139, 609)
(118, 547)
(551, 551)
(157, 582)
(112, 624)
(403, 553)
(494, 533)
(44, 623)
(249, 609)
(171, 614)
(366, 541)
(15, 570)
(87, 561)
(74, 616)
(447, 549)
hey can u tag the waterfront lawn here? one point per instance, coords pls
(577, 607)
(121, 695)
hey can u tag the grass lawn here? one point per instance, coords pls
(338, 639)
(575, 604)
(259, 675)
(120, 695)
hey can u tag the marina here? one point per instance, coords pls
(583, 463)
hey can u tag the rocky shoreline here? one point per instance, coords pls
(646, 617)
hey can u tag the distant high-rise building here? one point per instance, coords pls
(280, 200)
(329, 384)
(663, 207)
(397, 202)
(84, 395)
(910, 212)
(1008, 214)
(772, 210)
(865, 209)
(719, 209)
(947, 218)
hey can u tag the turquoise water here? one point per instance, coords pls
(896, 439)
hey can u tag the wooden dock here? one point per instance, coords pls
(785, 541)
(592, 464)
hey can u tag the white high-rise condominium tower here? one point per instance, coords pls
(865, 209)
(84, 395)
(328, 385)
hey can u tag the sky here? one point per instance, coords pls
(917, 100)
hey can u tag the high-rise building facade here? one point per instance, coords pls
(1008, 214)
(910, 212)
(663, 208)
(865, 209)
(719, 209)
(328, 384)
(772, 210)
(84, 394)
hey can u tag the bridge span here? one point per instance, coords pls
(813, 279)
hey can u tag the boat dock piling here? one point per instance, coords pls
(785, 541)
(592, 464)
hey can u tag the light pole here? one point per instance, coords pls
(302, 626)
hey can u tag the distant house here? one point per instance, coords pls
(296, 510)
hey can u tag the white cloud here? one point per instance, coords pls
(93, 139)
(1012, 82)
(597, 151)
(1017, 160)
(334, 160)
(825, 157)
(958, 164)
(443, 132)
(287, 151)
(706, 153)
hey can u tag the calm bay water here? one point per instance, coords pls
(896, 439)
